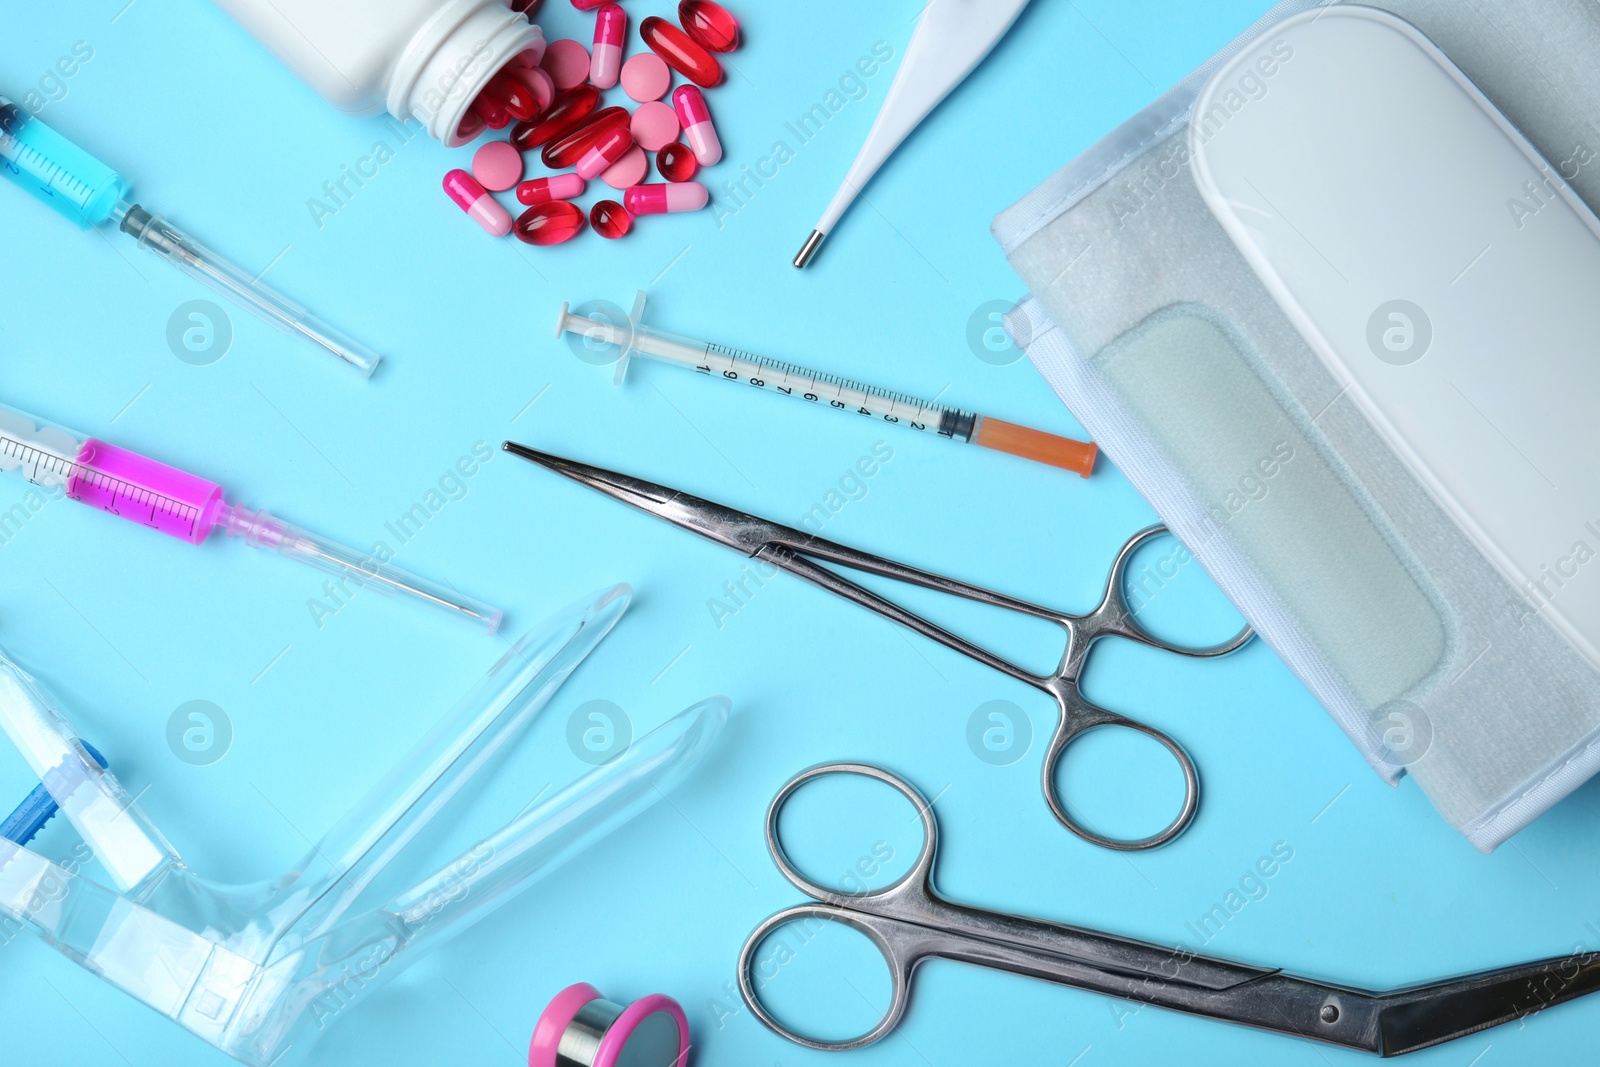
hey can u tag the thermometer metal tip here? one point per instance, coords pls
(952, 37)
(813, 243)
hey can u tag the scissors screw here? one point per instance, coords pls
(1329, 1013)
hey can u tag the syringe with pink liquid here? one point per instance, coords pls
(189, 507)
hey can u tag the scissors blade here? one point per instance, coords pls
(1426, 1015)
(732, 529)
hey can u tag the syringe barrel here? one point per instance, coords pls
(188, 507)
(142, 490)
(55, 170)
(37, 451)
(104, 476)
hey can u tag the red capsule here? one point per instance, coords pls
(610, 220)
(698, 130)
(493, 115)
(513, 97)
(558, 187)
(587, 5)
(567, 111)
(536, 81)
(472, 198)
(604, 151)
(527, 7)
(709, 23)
(570, 147)
(676, 162)
(681, 52)
(664, 199)
(471, 125)
(549, 223)
(610, 34)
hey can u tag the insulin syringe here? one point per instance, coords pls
(90, 193)
(190, 508)
(633, 338)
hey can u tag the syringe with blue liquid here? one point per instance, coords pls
(90, 193)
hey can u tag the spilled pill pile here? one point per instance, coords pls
(551, 98)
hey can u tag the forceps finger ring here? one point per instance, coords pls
(1078, 722)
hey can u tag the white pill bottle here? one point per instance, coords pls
(417, 59)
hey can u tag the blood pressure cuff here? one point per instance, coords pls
(1152, 326)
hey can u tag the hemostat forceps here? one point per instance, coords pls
(796, 552)
(909, 922)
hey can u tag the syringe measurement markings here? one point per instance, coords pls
(900, 406)
(48, 171)
(71, 471)
(819, 376)
(139, 495)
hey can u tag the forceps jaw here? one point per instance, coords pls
(729, 528)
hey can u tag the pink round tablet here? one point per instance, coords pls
(538, 80)
(628, 171)
(645, 77)
(529, 57)
(655, 125)
(497, 166)
(567, 62)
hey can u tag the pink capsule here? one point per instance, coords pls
(560, 187)
(690, 103)
(604, 152)
(610, 31)
(472, 198)
(662, 199)
(587, 5)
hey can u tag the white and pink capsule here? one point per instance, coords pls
(472, 198)
(555, 187)
(604, 152)
(665, 199)
(695, 115)
(610, 31)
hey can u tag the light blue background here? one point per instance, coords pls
(125, 626)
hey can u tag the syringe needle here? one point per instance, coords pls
(362, 569)
(198, 261)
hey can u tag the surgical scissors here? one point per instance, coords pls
(789, 549)
(909, 922)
